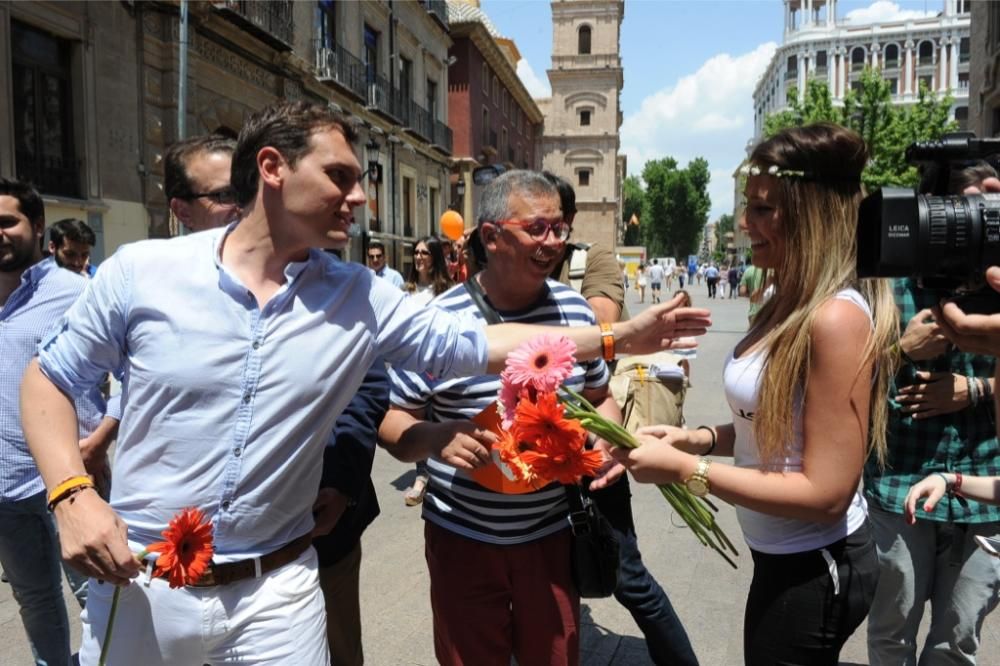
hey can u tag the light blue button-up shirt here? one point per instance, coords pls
(45, 293)
(227, 406)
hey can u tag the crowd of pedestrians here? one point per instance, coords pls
(259, 372)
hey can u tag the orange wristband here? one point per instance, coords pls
(70, 486)
(607, 342)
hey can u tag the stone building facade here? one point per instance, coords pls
(582, 118)
(933, 52)
(493, 117)
(93, 90)
(984, 87)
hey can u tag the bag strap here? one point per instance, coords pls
(479, 298)
(579, 515)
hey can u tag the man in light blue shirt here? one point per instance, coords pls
(241, 346)
(377, 262)
(34, 294)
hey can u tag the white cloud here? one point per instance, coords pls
(705, 114)
(536, 86)
(882, 11)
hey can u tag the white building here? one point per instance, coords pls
(932, 51)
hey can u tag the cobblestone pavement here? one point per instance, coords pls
(707, 594)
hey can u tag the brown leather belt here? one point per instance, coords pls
(230, 572)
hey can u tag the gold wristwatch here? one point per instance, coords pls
(697, 483)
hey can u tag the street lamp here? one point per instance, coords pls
(374, 168)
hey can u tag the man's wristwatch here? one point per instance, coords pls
(697, 483)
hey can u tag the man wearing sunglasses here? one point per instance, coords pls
(196, 181)
(376, 262)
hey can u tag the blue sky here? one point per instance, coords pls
(690, 69)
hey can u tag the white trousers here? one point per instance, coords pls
(276, 619)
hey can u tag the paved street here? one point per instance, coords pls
(707, 594)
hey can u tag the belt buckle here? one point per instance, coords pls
(257, 569)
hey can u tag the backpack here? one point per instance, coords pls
(647, 399)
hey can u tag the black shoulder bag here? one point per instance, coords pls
(595, 559)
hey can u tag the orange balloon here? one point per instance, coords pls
(452, 225)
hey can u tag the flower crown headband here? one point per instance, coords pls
(778, 172)
(773, 170)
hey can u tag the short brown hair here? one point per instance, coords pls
(285, 127)
(176, 183)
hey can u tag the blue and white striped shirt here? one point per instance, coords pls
(227, 405)
(454, 500)
(45, 293)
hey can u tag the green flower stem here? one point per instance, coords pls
(698, 515)
(106, 646)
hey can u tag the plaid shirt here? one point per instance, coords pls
(963, 441)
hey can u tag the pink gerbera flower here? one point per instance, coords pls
(542, 363)
(510, 394)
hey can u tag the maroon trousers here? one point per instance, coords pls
(493, 602)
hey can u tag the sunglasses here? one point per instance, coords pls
(539, 228)
(421, 253)
(374, 257)
(224, 197)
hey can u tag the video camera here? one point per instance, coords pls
(947, 240)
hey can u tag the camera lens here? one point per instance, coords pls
(904, 234)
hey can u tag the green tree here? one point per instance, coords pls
(633, 197)
(723, 226)
(887, 128)
(675, 206)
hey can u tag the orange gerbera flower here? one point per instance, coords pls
(566, 466)
(542, 423)
(187, 551)
(507, 452)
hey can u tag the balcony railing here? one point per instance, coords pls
(50, 174)
(820, 72)
(858, 66)
(335, 64)
(271, 21)
(590, 60)
(791, 75)
(420, 120)
(891, 64)
(379, 95)
(442, 136)
(439, 10)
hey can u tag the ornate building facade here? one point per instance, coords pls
(93, 91)
(493, 116)
(984, 88)
(933, 52)
(580, 141)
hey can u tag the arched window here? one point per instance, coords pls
(891, 56)
(583, 41)
(925, 53)
(858, 58)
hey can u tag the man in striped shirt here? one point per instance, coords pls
(499, 564)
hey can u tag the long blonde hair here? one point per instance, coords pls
(819, 191)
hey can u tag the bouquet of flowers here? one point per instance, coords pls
(544, 427)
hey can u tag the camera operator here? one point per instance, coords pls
(941, 422)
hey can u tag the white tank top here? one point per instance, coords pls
(764, 532)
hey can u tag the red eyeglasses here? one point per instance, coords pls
(539, 228)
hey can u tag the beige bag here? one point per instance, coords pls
(645, 399)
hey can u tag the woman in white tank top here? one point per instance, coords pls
(800, 386)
